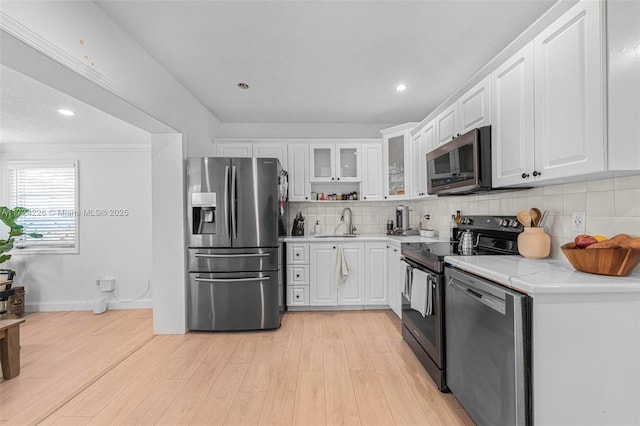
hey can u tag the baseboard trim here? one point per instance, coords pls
(84, 305)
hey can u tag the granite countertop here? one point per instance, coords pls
(543, 276)
(363, 237)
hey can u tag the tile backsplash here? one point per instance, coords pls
(612, 206)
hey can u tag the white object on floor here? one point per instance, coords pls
(100, 305)
(342, 268)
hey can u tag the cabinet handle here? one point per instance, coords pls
(297, 254)
(536, 173)
(365, 198)
(387, 246)
(395, 249)
(306, 198)
(334, 247)
(338, 179)
(332, 178)
(297, 275)
(525, 175)
(385, 197)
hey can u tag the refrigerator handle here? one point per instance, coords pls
(226, 200)
(234, 219)
(232, 255)
(226, 280)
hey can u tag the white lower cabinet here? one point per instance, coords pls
(322, 289)
(395, 278)
(376, 292)
(314, 284)
(352, 291)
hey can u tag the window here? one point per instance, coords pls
(50, 191)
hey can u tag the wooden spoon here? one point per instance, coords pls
(524, 217)
(536, 215)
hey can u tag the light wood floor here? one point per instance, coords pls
(319, 368)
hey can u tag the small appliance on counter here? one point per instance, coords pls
(402, 222)
(298, 226)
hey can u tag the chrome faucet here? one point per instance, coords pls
(350, 228)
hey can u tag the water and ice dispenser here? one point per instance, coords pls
(204, 212)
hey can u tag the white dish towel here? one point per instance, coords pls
(420, 293)
(342, 267)
(405, 277)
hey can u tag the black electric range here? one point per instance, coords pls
(494, 235)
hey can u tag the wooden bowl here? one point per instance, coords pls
(618, 262)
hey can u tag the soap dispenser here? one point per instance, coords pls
(316, 228)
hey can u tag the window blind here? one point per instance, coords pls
(50, 194)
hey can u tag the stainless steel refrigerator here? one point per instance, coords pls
(234, 254)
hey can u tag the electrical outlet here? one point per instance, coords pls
(578, 222)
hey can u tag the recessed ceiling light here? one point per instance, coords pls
(244, 86)
(66, 112)
(401, 87)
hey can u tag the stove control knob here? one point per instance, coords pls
(513, 223)
(468, 221)
(503, 222)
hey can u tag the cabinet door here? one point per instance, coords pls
(272, 150)
(234, 149)
(323, 164)
(512, 150)
(419, 165)
(474, 107)
(376, 292)
(395, 279)
(371, 172)
(348, 163)
(446, 125)
(569, 94)
(352, 291)
(322, 288)
(397, 153)
(298, 162)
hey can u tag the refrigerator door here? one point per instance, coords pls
(234, 301)
(208, 199)
(254, 202)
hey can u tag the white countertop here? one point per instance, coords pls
(543, 276)
(363, 237)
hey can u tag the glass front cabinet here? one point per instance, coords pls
(397, 161)
(335, 163)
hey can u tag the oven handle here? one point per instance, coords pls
(478, 295)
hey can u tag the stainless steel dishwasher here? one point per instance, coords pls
(488, 349)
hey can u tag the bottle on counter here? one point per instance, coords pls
(317, 230)
(453, 228)
(458, 217)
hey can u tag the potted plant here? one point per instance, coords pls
(9, 217)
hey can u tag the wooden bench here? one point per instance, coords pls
(10, 347)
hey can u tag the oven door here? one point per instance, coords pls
(428, 330)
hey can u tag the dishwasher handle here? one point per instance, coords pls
(488, 300)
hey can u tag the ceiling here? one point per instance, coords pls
(323, 61)
(28, 114)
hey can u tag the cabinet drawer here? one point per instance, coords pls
(297, 296)
(298, 275)
(297, 254)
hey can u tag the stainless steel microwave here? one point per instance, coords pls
(461, 166)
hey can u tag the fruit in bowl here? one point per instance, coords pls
(617, 256)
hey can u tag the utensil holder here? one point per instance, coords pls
(534, 243)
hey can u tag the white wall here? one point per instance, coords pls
(109, 177)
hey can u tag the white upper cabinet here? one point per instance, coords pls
(512, 150)
(233, 149)
(298, 163)
(272, 150)
(421, 143)
(446, 125)
(569, 94)
(397, 161)
(474, 107)
(371, 188)
(332, 163)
